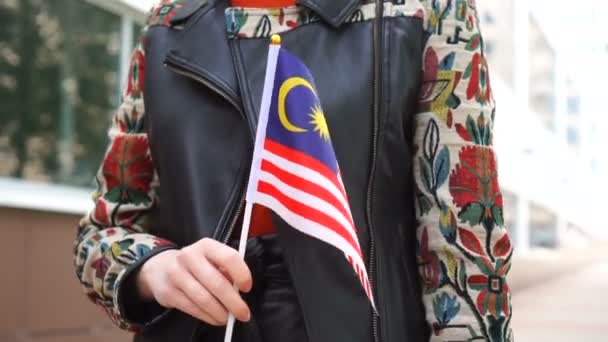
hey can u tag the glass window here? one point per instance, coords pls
(488, 47)
(543, 227)
(59, 64)
(488, 17)
(574, 105)
(573, 136)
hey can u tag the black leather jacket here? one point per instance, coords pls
(389, 105)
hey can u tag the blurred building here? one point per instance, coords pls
(61, 64)
(542, 71)
(546, 142)
(497, 19)
(501, 44)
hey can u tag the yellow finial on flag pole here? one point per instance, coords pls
(275, 39)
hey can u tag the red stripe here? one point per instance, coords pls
(307, 186)
(361, 274)
(358, 270)
(304, 159)
(308, 212)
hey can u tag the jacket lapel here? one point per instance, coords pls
(335, 12)
(202, 49)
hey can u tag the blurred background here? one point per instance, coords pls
(62, 63)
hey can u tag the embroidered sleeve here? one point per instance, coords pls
(464, 249)
(112, 240)
(163, 11)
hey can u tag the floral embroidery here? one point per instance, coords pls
(464, 252)
(262, 23)
(236, 18)
(477, 131)
(436, 14)
(493, 297)
(431, 271)
(434, 163)
(127, 170)
(129, 120)
(100, 213)
(112, 237)
(474, 187)
(461, 9)
(447, 224)
(423, 203)
(479, 80)
(439, 83)
(162, 13)
(135, 82)
(446, 308)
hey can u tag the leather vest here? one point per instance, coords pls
(203, 92)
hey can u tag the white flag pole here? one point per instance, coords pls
(242, 248)
(273, 54)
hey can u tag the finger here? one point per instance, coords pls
(229, 259)
(213, 280)
(184, 304)
(203, 299)
(227, 275)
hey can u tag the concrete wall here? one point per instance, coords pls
(40, 297)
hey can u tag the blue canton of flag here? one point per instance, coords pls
(294, 171)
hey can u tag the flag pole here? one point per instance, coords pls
(256, 160)
(242, 248)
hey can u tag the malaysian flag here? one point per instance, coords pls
(294, 171)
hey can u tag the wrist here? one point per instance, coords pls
(151, 268)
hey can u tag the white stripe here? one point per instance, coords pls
(311, 201)
(340, 178)
(308, 174)
(271, 68)
(311, 228)
(361, 272)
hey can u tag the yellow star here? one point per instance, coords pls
(319, 122)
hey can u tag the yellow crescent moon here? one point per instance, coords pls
(286, 87)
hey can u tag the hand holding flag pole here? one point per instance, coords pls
(273, 54)
(294, 170)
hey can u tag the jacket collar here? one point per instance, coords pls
(335, 12)
(187, 10)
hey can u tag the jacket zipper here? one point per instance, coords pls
(237, 213)
(226, 233)
(377, 41)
